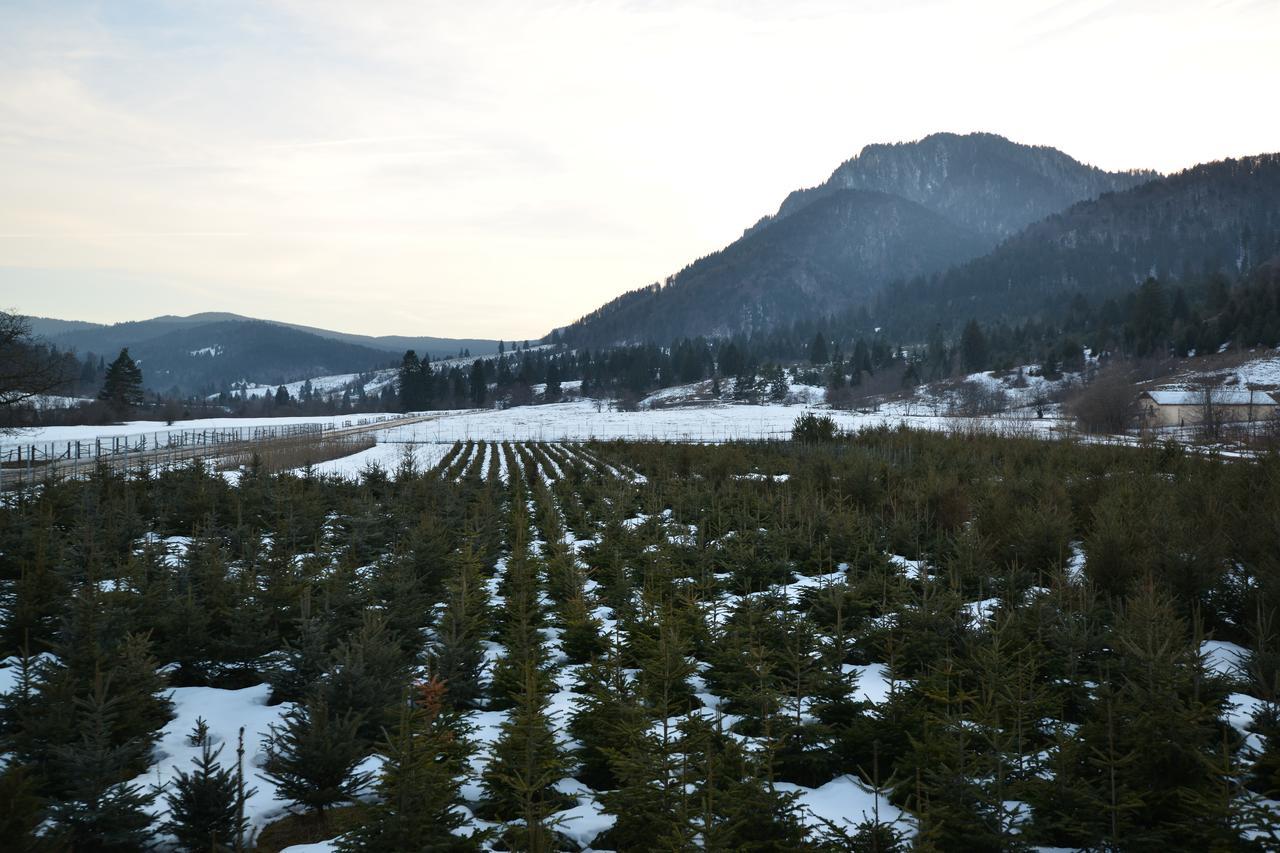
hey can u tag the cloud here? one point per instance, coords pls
(499, 168)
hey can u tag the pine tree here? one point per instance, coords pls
(122, 388)
(419, 789)
(97, 810)
(973, 348)
(206, 806)
(818, 350)
(312, 755)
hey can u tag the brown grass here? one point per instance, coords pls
(283, 454)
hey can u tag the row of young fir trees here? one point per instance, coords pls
(664, 666)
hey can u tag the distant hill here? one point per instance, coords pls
(207, 356)
(203, 352)
(893, 212)
(47, 327)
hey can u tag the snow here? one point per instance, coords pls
(224, 711)
(385, 456)
(842, 799)
(319, 384)
(1241, 708)
(580, 421)
(915, 569)
(979, 613)
(585, 821)
(1226, 659)
(1075, 566)
(55, 401)
(873, 682)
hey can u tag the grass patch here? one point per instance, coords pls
(308, 828)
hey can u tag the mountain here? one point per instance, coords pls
(841, 246)
(980, 180)
(893, 212)
(203, 352)
(1221, 217)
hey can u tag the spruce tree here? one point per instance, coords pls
(527, 762)
(973, 348)
(303, 659)
(97, 809)
(607, 710)
(457, 655)
(419, 788)
(312, 755)
(122, 388)
(818, 350)
(367, 675)
(206, 805)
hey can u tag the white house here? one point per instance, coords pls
(1163, 408)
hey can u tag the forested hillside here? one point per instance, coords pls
(828, 255)
(1215, 218)
(893, 212)
(201, 359)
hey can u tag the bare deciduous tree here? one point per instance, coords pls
(1108, 404)
(27, 369)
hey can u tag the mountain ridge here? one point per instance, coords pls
(967, 194)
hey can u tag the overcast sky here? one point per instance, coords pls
(496, 169)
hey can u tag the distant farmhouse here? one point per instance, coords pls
(1190, 408)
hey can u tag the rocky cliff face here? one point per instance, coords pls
(979, 180)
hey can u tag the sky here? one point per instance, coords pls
(496, 169)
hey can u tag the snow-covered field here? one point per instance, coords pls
(587, 419)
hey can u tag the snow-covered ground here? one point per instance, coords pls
(589, 419)
(323, 385)
(1259, 370)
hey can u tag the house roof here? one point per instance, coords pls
(1221, 397)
